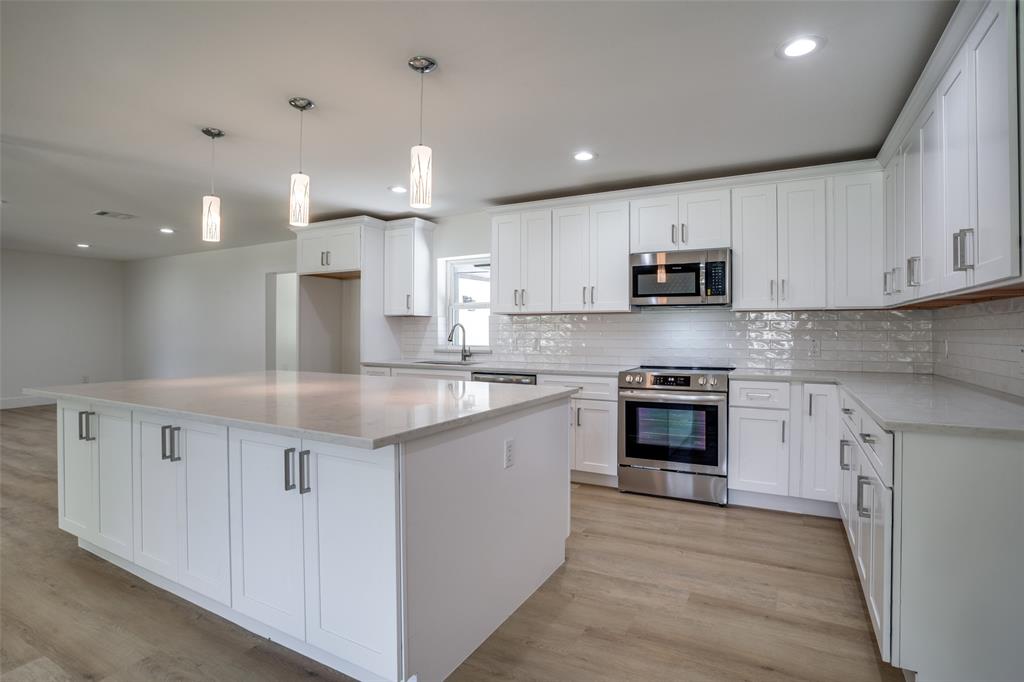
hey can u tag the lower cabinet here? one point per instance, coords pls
(819, 438)
(95, 483)
(593, 436)
(180, 509)
(314, 544)
(759, 450)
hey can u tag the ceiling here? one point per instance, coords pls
(102, 103)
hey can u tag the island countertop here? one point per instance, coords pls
(360, 411)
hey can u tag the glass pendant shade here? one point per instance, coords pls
(419, 177)
(211, 218)
(298, 203)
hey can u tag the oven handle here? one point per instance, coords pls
(660, 397)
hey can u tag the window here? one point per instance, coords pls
(468, 299)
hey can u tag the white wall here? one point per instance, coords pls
(200, 313)
(60, 320)
(462, 235)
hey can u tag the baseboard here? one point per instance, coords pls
(793, 505)
(24, 401)
(593, 479)
(227, 613)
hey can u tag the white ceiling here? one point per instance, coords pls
(102, 103)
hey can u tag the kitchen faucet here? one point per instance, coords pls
(466, 352)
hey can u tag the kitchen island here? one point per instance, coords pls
(382, 526)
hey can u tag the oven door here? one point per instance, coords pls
(673, 431)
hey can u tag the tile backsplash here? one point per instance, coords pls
(982, 344)
(853, 340)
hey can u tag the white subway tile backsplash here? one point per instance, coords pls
(985, 342)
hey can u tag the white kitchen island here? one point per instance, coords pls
(384, 526)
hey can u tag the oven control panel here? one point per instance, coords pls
(690, 379)
(671, 380)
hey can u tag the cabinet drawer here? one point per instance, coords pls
(764, 394)
(430, 373)
(376, 371)
(593, 388)
(850, 411)
(876, 443)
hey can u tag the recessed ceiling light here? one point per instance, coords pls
(801, 47)
(397, 189)
(83, 246)
(167, 230)
(584, 155)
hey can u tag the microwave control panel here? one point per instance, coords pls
(714, 278)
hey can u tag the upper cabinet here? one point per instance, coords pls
(858, 242)
(672, 222)
(779, 255)
(521, 262)
(333, 246)
(408, 267)
(590, 258)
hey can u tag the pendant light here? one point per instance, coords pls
(211, 202)
(421, 155)
(298, 195)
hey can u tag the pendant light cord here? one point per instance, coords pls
(301, 112)
(421, 108)
(213, 162)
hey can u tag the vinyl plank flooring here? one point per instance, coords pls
(651, 590)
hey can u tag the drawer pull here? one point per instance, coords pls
(868, 438)
(843, 464)
(760, 396)
(861, 511)
(847, 410)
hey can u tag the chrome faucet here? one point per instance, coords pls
(466, 352)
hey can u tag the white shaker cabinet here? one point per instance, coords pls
(408, 267)
(329, 249)
(954, 114)
(802, 251)
(819, 443)
(755, 270)
(590, 258)
(521, 262)
(594, 436)
(268, 575)
(181, 512)
(95, 482)
(858, 241)
(672, 222)
(759, 450)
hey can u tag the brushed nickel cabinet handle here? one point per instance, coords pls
(673, 233)
(783, 430)
(861, 481)
(174, 440)
(682, 232)
(579, 421)
(584, 295)
(591, 295)
(408, 301)
(81, 427)
(522, 297)
(868, 438)
(289, 469)
(771, 289)
(304, 483)
(164, 432)
(515, 297)
(328, 257)
(843, 464)
(810, 405)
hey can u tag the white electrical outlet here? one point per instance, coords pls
(815, 351)
(508, 454)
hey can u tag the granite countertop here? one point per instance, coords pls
(361, 411)
(916, 402)
(511, 367)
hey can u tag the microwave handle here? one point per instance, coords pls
(703, 281)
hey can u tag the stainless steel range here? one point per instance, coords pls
(673, 433)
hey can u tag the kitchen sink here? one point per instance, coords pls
(460, 363)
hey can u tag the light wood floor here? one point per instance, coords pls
(651, 590)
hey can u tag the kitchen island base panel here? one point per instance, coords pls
(479, 538)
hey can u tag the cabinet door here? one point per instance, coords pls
(535, 288)
(820, 442)
(596, 436)
(802, 247)
(954, 108)
(759, 450)
(156, 497)
(609, 257)
(112, 429)
(570, 259)
(654, 224)
(267, 576)
(858, 251)
(204, 546)
(879, 593)
(913, 232)
(934, 246)
(344, 249)
(506, 259)
(312, 254)
(351, 540)
(398, 271)
(705, 220)
(991, 48)
(755, 247)
(76, 502)
(892, 180)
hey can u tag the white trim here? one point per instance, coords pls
(952, 39)
(589, 478)
(227, 613)
(361, 220)
(24, 401)
(862, 166)
(783, 503)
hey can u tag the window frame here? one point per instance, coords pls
(448, 275)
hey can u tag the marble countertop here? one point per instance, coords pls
(481, 365)
(916, 402)
(361, 411)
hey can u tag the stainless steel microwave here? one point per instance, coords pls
(681, 278)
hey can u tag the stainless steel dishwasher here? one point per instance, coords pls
(504, 378)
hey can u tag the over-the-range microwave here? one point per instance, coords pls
(701, 277)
